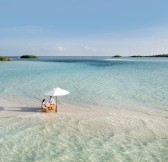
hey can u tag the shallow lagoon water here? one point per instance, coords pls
(126, 99)
(95, 81)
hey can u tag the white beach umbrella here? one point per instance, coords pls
(57, 92)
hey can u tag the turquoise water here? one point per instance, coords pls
(129, 88)
(132, 83)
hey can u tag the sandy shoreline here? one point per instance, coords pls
(85, 133)
(118, 119)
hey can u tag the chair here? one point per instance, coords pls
(44, 110)
(53, 108)
(49, 108)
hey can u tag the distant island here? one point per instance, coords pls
(2, 58)
(28, 56)
(160, 55)
(117, 56)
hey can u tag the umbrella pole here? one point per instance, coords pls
(56, 103)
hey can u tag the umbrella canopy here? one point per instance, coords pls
(57, 92)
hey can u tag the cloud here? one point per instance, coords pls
(59, 48)
(88, 48)
(141, 42)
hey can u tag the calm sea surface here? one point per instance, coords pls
(93, 82)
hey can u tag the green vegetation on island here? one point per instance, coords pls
(2, 58)
(117, 56)
(137, 56)
(28, 56)
(160, 55)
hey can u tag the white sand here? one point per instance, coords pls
(140, 123)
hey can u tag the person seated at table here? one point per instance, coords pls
(51, 101)
(44, 105)
(52, 104)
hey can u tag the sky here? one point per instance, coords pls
(83, 27)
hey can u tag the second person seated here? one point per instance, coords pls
(51, 101)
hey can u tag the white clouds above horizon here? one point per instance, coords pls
(137, 42)
(90, 49)
(60, 48)
(121, 47)
(83, 27)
